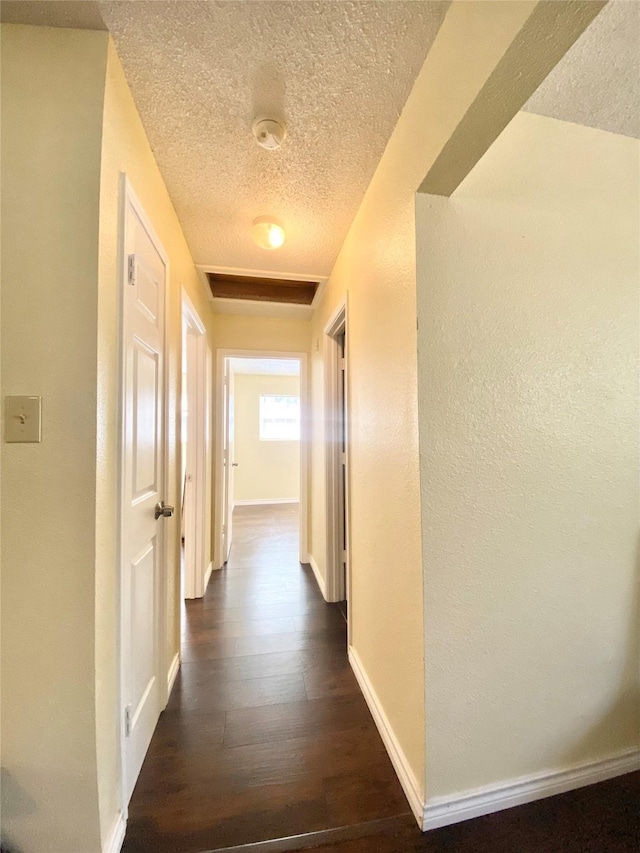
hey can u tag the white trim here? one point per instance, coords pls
(442, 811)
(253, 308)
(318, 575)
(266, 501)
(207, 576)
(302, 357)
(116, 836)
(197, 383)
(338, 586)
(173, 673)
(398, 758)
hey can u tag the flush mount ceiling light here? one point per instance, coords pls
(267, 233)
(269, 133)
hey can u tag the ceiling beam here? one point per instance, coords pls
(546, 35)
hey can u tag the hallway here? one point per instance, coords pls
(266, 733)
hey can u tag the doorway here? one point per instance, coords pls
(337, 458)
(261, 454)
(195, 488)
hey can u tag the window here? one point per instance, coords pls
(279, 418)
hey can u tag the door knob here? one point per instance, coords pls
(163, 509)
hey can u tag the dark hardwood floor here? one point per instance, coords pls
(266, 733)
(267, 737)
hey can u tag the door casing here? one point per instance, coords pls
(221, 355)
(338, 587)
(198, 567)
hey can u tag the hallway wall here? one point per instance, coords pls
(376, 269)
(69, 128)
(528, 383)
(267, 470)
(52, 96)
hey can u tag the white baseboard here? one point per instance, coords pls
(318, 576)
(207, 575)
(398, 759)
(173, 673)
(442, 811)
(261, 501)
(116, 836)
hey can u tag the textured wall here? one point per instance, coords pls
(267, 470)
(52, 90)
(377, 267)
(528, 340)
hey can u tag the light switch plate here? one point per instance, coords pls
(22, 419)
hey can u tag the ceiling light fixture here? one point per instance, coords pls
(267, 233)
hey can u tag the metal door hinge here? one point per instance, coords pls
(224, 529)
(342, 364)
(131, 270)
(128, 721)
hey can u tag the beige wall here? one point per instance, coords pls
(285, 334)
(377, 267)
(125, 148)
(52, 87)
(528, 308)
(70, 128)
(267, 470)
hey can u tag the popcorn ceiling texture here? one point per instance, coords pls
(337, 72)
(597, 83)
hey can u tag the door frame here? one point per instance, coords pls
(129, 200)
(336, 326)
(302, 357)
(195, 581)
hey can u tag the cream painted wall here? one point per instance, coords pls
(284, 334)
(70, 128)
(377, 268)
(267, 470)
(528, 382)
(125, 148)
(52, 87)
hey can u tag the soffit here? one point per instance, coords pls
(266, 366)
(597, 83)
(337, 72)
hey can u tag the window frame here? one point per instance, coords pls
(261, 418)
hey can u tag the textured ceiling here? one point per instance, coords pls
(597, 83)
(337, 72)
(266, 366)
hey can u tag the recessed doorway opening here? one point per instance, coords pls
(261, 452)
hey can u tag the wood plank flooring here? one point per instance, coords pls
(266, 733)
(266, 736)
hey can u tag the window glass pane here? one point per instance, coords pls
(279, 418)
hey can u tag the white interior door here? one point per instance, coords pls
(189, 508)
(342, 466)
(143, 485)
(228, 461)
